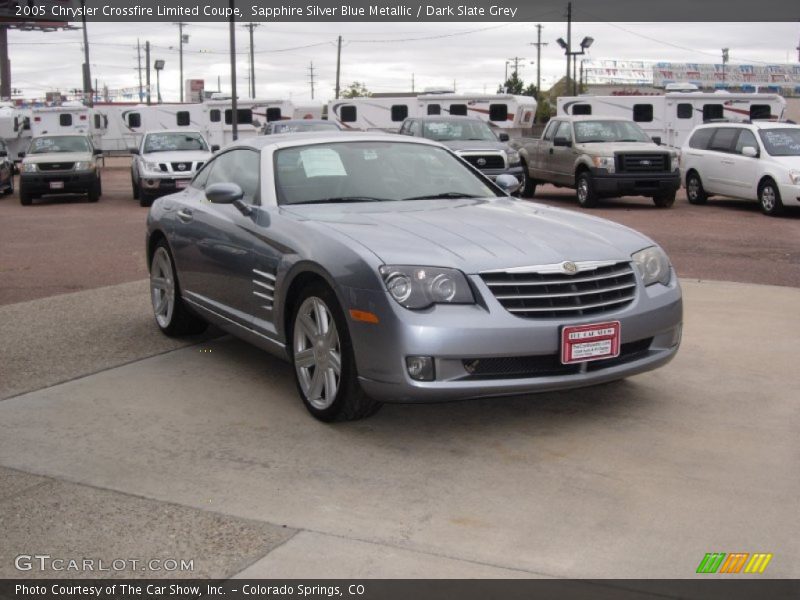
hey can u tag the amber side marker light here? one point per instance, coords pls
(364, 316)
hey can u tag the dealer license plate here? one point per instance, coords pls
(182, 183)
(56, 185)
(582, 343)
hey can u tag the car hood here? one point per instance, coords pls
(472, 235)
(177, 156)
(58, 157)
(790, 162)
(467, 145)
(606, 149)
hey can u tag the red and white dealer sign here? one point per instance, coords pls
(581, 343)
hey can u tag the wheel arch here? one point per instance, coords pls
(155, 237)
(299, 277)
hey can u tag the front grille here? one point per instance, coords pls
(548, 365)
(181, 167)
(541, 295)
(490, 161)
(63, 166)
(629, 162)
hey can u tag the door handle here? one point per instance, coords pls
(728, 162)
(185, 215)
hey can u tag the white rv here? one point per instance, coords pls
(69, 118)
(508, 112)
(672, 116)
(15, 129)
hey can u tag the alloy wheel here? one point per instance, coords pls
(162, 287)
(317, 353)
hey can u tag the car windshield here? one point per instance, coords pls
(59, 143)
(448, 131)
(171, 142)
(784, 141)
(588, 132)
(299, 127)
(373, 172)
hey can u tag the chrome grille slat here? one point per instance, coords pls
(593, 290)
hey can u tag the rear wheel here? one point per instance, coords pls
(769, 199)
(664, 200)
(324, 363)
(695, 193)
(587, 196)
(172, 315)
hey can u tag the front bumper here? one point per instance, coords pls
(495, 173)
(456, 335)
(790, 194)
(73, 182)
(635, 184)
(162, 184)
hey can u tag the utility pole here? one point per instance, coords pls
(181, 25)
(539, 43)
(87, 71)
(569, 41)
(412, 83)
(147, 69)
(234, 102)
(251, 27)
(516, 60)
(311, 78)
(724, 62)
(139, 68)
(338, 65)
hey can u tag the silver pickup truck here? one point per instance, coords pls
(600, 158)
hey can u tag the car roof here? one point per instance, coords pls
(294, 121)
(575, 118)
(48, 135)
(173, 131)
(324, 137)
(765, 124)
(444, 118)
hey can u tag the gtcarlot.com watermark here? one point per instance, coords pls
(45, 562)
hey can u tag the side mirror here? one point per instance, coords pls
(97, 152)
(215, 148)
(503, 136)
(227, 193)
(563, 142)
(656, 140)
(21, 155)
(134, 151)
(750, 151)
(508, 183)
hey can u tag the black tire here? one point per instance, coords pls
(695, 193)
(135, 188)
(350, 402)
(528, 189)
(145, 199)
(664, 200)
(585, 192)
(25, 197)
(99, 186)
(94, 192)
(769, 198)
(180, 321)
(10, 188)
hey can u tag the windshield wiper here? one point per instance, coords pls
(443, 195)
(343, 199)
(630, 140)
(592, 141)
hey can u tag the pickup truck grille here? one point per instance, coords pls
(630, 162)
(485, 161)
(533, 295)
(62, 166)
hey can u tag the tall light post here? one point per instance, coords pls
(571, 55)
(158, 65)
(183, 38)
(724, 62)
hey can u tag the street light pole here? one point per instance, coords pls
(234, 101)
(724, 62)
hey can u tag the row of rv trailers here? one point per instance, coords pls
(117, 127)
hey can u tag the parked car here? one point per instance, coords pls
(166, 161)
(387, 270)
(300, 125)
(754, 161)
(600, 157)
(6, 170)
(60, 164)
(470, 138)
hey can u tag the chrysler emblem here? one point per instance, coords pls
(481, 162)
(569, 267)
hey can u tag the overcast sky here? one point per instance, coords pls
(382, 55)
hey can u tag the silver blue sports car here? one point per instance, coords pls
(387, 269)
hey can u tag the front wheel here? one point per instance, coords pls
(664, 200)
(324, 363)
(769, 199)
(25, 197)
(695, 193)
(135, 188)
(587, 196)
(172, 316)
(94, 191)
(528, 188)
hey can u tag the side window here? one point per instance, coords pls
(65, 119)
(643, 113)
(498, 112)
(134, 120)
(98, 122)
(712, 111)
(582, 109)
(760, 111)
(240, 166)
(416, 128)
(244, 116)
(459, 110)
(701, 138)
(684, 111)
(182, 118)
(746, 138)
(551, 129)
(564, 130)
(399, 112)
(274, 114)
(434, 109)
(214, 115)
(348, 114)
(723, 139)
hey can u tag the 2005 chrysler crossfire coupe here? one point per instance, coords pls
(386, 269)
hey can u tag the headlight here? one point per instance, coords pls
(794, 177)
(675, 162)
(420, 287)
(151, 166)
(513, 157)
(29, 168)
(653, 265)
(84, 165)
(604, 162)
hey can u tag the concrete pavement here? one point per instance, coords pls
(638, 478)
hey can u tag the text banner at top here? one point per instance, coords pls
(54, 11)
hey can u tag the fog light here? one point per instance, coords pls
(420, 367)
(676, 336)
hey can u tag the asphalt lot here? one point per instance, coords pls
(115, 442)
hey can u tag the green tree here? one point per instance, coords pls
(356, 90)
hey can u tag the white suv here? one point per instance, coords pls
(755, 161)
